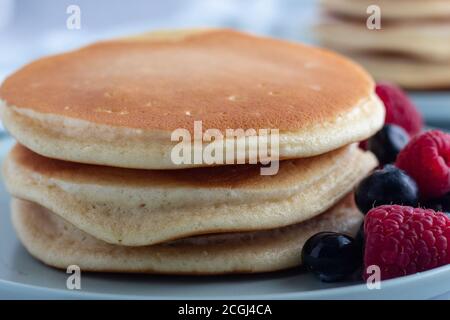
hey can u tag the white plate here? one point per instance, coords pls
(21, 276)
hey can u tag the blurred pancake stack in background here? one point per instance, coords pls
(412, 48)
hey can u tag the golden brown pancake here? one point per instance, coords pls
(143, 207)
(58, 243)
(117, 102)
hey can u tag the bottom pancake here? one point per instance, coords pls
(58, 243)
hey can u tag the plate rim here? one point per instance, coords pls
(330, 293)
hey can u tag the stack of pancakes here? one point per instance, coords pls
(93, 181)
(412, 48)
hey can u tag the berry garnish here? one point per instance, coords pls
(441, 204)
(363, 145)
(400, 110)
(404, 240)
(331, 256)
(388, 142)
(426, 158)
(359, 238)
(389, 185)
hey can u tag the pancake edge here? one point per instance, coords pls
(86, 142)
(259, 252)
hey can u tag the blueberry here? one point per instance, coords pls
(388, 142)
(441, 204)
(331, 256)
(389, 185)
(359, 239)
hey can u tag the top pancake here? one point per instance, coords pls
(151, 84)
(143, 88)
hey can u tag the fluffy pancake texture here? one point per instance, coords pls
(116, 102)
(143, 207)
(58, 243)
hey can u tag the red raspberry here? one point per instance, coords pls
(400, 110)
(363, 145)
(404, 240)
(426, 158)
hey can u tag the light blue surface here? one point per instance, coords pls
(435, 106)
(23, 277)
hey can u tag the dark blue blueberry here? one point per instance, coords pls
(360, 233)
(331, 256)
(359, 239)
(388, 142)
(441, 204)
(389, 185)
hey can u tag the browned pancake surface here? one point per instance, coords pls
(224, 78)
